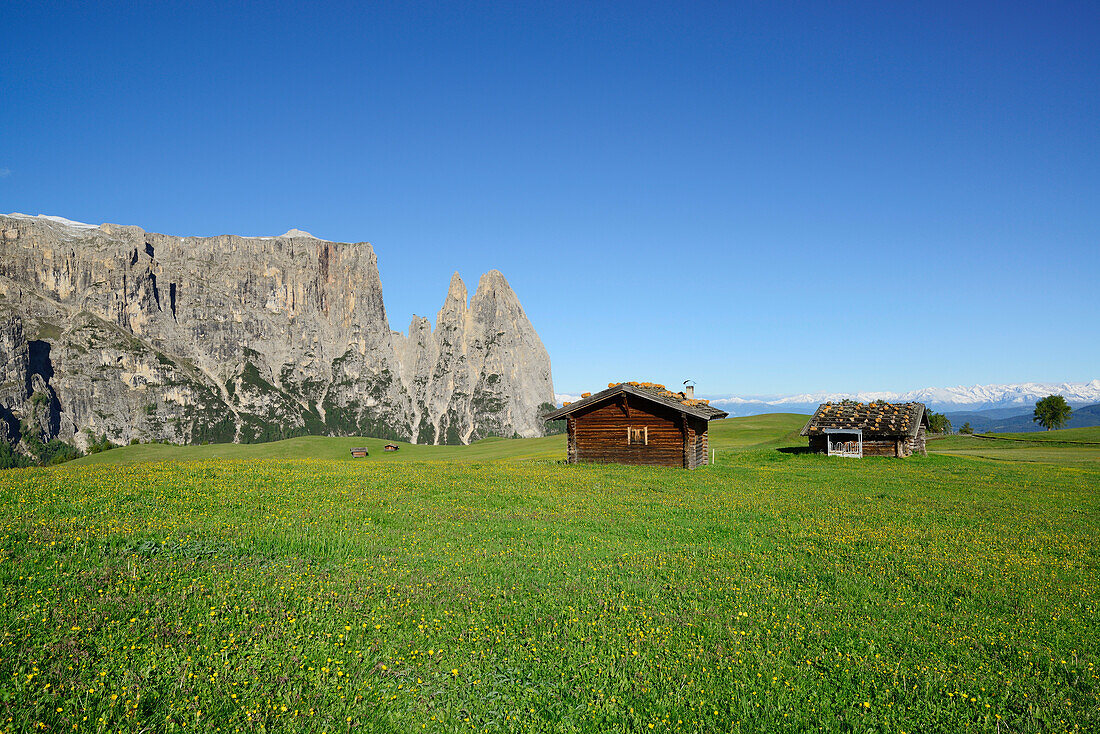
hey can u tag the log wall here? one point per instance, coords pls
(916, 444)
(881, 446)
(687, 431)
(600, 434)
(571, 443)
(696, 450)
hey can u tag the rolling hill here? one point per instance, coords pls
(994, 421)
(731, 434)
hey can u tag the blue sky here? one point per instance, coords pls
(764, 197)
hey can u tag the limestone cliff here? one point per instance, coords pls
(133, 334)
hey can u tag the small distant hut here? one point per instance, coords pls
(359, 452)
(390, 447)
(638, 423)
(856, 430)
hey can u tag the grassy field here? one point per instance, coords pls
(1072, 435)
(757, 432)
(778, 429)
(771, 592)
(335, 449)
(1069, 446)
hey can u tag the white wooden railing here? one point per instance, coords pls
(851, 446)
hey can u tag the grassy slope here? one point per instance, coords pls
(758, 431)
(1059, 447)
(1091, 435)
(772, 592)
(337, 448)
(732, 433)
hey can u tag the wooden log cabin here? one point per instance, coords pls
(638, 423)
(855, 430)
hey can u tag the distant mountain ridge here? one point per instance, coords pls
(993, 421)
(943, 399)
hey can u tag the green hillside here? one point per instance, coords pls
(773, 430)
(1089, 435)
(1068, 446)
(1021, 422)
(336, 448)
(760, 431)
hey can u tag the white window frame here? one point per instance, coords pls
(645, 435)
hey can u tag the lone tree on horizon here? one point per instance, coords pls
(1052, 412)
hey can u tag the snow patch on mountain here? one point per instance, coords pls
(56, 220)
(962, 397)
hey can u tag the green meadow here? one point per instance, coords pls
(1069, 446)
(334, 449)
(774, 430)
(492, 588)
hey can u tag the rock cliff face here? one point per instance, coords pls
(131, 334)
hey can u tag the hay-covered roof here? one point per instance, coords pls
(878, 418)
(647, 391)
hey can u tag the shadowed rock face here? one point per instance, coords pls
(242, 339)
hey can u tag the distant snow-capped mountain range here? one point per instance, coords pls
(973, 397)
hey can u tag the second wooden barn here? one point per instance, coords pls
(856, 429)
(638, 423)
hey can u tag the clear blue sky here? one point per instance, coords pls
(765, 197)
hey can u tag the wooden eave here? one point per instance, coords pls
(629, 392)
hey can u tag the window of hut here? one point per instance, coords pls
(638, 436)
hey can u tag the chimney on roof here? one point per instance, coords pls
(689, 390)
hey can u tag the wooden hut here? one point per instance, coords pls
(856, 430)
(638, 423)
(391, 447)
(359, 452)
